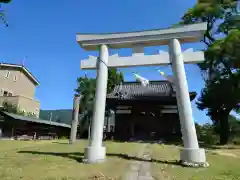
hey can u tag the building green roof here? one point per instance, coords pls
(34, 120)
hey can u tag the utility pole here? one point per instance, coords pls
(23, 61)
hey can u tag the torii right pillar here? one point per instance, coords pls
(191, 151)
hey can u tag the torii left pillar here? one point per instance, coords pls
(96, 152)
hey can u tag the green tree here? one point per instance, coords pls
(219, 98)
(87, 88)
(114, 77)
(8, 107)
(5, 1)
(221, 67)
(234, 125)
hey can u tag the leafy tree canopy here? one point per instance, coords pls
(5, 1)
(87, 88)
(222, 59)
(114, 78)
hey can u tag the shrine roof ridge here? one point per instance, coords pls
(185, 33)
(155, 90)
(151, 82)
(131, 90)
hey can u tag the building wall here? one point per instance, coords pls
(29, 105)
(21, 87)
(13, 100)
(17, 83)
(24, 103)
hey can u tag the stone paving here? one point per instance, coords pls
(141, 170)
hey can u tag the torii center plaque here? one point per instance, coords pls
(173, 37)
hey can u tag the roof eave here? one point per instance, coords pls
(33, 78)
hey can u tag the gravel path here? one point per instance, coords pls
(141, 170)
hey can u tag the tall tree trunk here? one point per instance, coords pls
(224, 127)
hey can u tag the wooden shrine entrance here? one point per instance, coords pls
(146, 121)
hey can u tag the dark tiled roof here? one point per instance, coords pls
(30, 119)
(134, 90)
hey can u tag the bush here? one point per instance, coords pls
(210, 139)
(206, 134)
(63, 138)
(30, 114)
(11, 108)
(8, 107)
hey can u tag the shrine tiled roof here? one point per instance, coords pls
(134, 90)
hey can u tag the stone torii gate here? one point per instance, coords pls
(173, 37)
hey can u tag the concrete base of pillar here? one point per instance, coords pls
(193, 155)
(93, 154)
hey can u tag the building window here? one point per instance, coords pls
(5, 93)
(15, 78)
(7, 74)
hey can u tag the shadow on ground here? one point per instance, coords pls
(206, 146)
(174, 143)
(180, 144)
(215, 147)
(78, 156)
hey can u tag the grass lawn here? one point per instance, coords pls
(57, 160)
(48, 160)
(224, 164)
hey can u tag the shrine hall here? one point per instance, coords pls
(145, 112)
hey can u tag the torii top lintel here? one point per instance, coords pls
(185, 33)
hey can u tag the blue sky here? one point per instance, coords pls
(45, 32)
